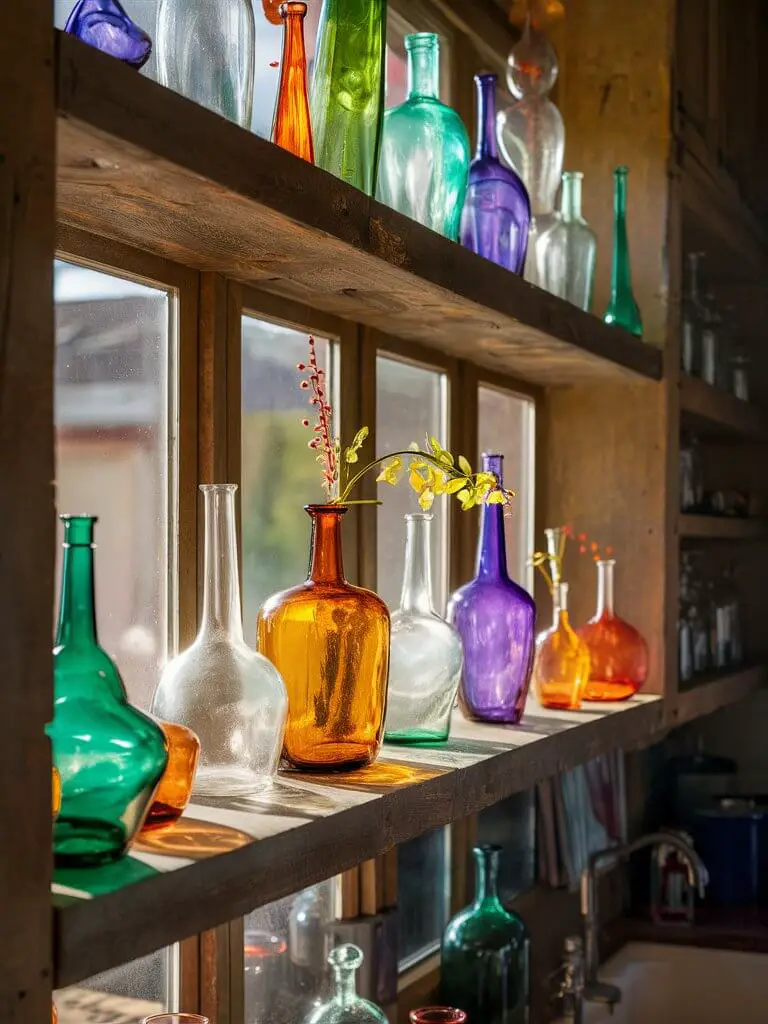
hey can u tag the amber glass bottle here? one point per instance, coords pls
(292, 128)
(330, 642)
(561, 668)
(175, 789)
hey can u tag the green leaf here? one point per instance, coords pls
(455, 485)
(437, 448)
(463, 495)
(359, 438)
(464, 466)
(350, 455)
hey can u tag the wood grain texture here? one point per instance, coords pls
(715, 413)
(722, 528)
(309, 830)
(27, 521)
(708, 695)
(143, 165)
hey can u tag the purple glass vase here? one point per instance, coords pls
(495, 618)
(497, 210)
(104, 25)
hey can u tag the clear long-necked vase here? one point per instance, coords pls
(495, 619)
(566, 252)
(622, 308)
(232, 697)
(425, 651)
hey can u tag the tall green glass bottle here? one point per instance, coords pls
(485, 954)
(347, 93)
(109, 755)
(622, 308)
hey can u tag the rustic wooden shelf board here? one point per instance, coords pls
(716, 413)
(702, 697)
(241, 849)
(142, 165)
(722, 528)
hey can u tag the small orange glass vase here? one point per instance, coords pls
(329, 641)
(175, 787)
(618, 653)
(561, 668)
(292, 128)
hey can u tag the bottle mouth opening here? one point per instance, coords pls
(486, 76)
(418, 517)
(573, 175)
(292, 7)
(328, 507)
(218, 488)
(422, 41)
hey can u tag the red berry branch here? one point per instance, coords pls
(323, 443)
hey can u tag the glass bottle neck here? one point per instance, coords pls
(487, 876)
(621, 278)
(492, 547)
(221, 594)
(346, 989)
(486, 117)
(416, 595)
(423, 66)
(605, 588)
(76, 625)
(325, 561)
(560, 605)
(570, 203)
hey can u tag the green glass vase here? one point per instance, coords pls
(109, 755)
(347, 93)
(622, 308)
(485, 953)
(425, 147)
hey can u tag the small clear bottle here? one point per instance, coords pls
(345, 1006)
(566, 253)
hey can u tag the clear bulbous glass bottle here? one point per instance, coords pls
(622, 308)
(109, 755)
(561, 668)
(425, 655)
(425, 148)
(497, 211)
(346, 1006)
(486, 953)
(566, 253)
(104, 25)
(205, 51)
(232, 697)
(618, 653)
(495, 619)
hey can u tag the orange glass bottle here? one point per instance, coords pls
(561, 668)
(329, 641)
(175, 787)
(618, 653)
(292, 127)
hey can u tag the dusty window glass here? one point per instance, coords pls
(506, 424)
(511, 824)
(279, 472)
(124, 995)
(424, 895)
(411, 403)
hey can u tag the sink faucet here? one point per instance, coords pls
(594, 990)
(571, 988)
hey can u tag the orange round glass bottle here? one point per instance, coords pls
(175, 787)
(561, 667)
(329, 641)
(618, 653)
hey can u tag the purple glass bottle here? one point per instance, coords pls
(104, 25)
(495, 618)
(497, 210)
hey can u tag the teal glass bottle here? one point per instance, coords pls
(485, 953)
(110, 756)
(347, 92)
(622, 308)
(425, 147)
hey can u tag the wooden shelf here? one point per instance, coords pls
(716, 413)
(712, 693)
(238, 851)
(142, 165)
(722, 528)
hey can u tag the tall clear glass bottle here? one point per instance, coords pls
(347, 90)
(425, 147)
(425, 655)
(691, 319)
(292, 129)
(495, 619)
(561, 668)
(346, 1006)
(566, 252)
(205, 51)
(485, 966)
(497, 210)
(232, 697)
(110, 757)
(622, 308)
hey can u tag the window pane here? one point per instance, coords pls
(506, 423)
(112, 455)
(411, 403)
(423, 882)
(124, 995)
(286, 949)
(275, 527)
(511, 824)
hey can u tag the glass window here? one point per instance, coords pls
(506, 422)
(112, 455)
(511, 824)
(123, 995)
(411, 403)
(275, 527)
(424, 895)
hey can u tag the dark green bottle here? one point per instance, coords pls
(485, 955)
(622, 308)
(109, 755)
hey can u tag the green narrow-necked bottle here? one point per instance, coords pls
(347, 93)
(109, 755)
(622, 309)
